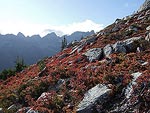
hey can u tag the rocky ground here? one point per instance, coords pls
(108, 72)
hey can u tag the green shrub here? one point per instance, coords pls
(6, 73)
(19, 65)
(41, 64)
(109, 78)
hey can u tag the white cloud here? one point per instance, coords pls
(31, 29)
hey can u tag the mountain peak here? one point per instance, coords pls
(35, 36)
(144, 6)
(52, 35)
(20, 35)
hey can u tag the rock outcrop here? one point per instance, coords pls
(129, 88)
(146, 5)
(94, 54)
(108, 49)
(100, 93)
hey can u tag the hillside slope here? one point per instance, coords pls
(108, 72)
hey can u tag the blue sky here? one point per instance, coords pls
(63, 16)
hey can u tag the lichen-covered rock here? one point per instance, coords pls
(100, 93)
(94, 54)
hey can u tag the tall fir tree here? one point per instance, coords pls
(64, 43)
(19, 64)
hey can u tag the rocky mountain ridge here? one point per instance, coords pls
(107, 72)
(33, 48)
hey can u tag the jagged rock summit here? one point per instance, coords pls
(144, 6)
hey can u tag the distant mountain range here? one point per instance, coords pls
(33, 48)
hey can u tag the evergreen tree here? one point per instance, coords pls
(64, 43)
(19, 65)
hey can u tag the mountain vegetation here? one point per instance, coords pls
(107, 72)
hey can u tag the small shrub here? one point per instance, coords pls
(109, 79)
(19, 65)
(41, 65)
(6, 73)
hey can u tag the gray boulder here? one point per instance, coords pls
(148, 28)
(107, 50)
(14, 107)
(119, 47)
(129, 43)
(90, 40)
(80, 47)
(117, 21)
(23, 110)
(129, 88)
(127, 17)
(100, 93)
(32, 111)
(147, 13)
(72, 44)
(147, 37)
(43, 96)
(101, 33)
(145, 6)
(1, 110)
(116, 28)
(74, 49)
(133, 28)
(94, 54)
